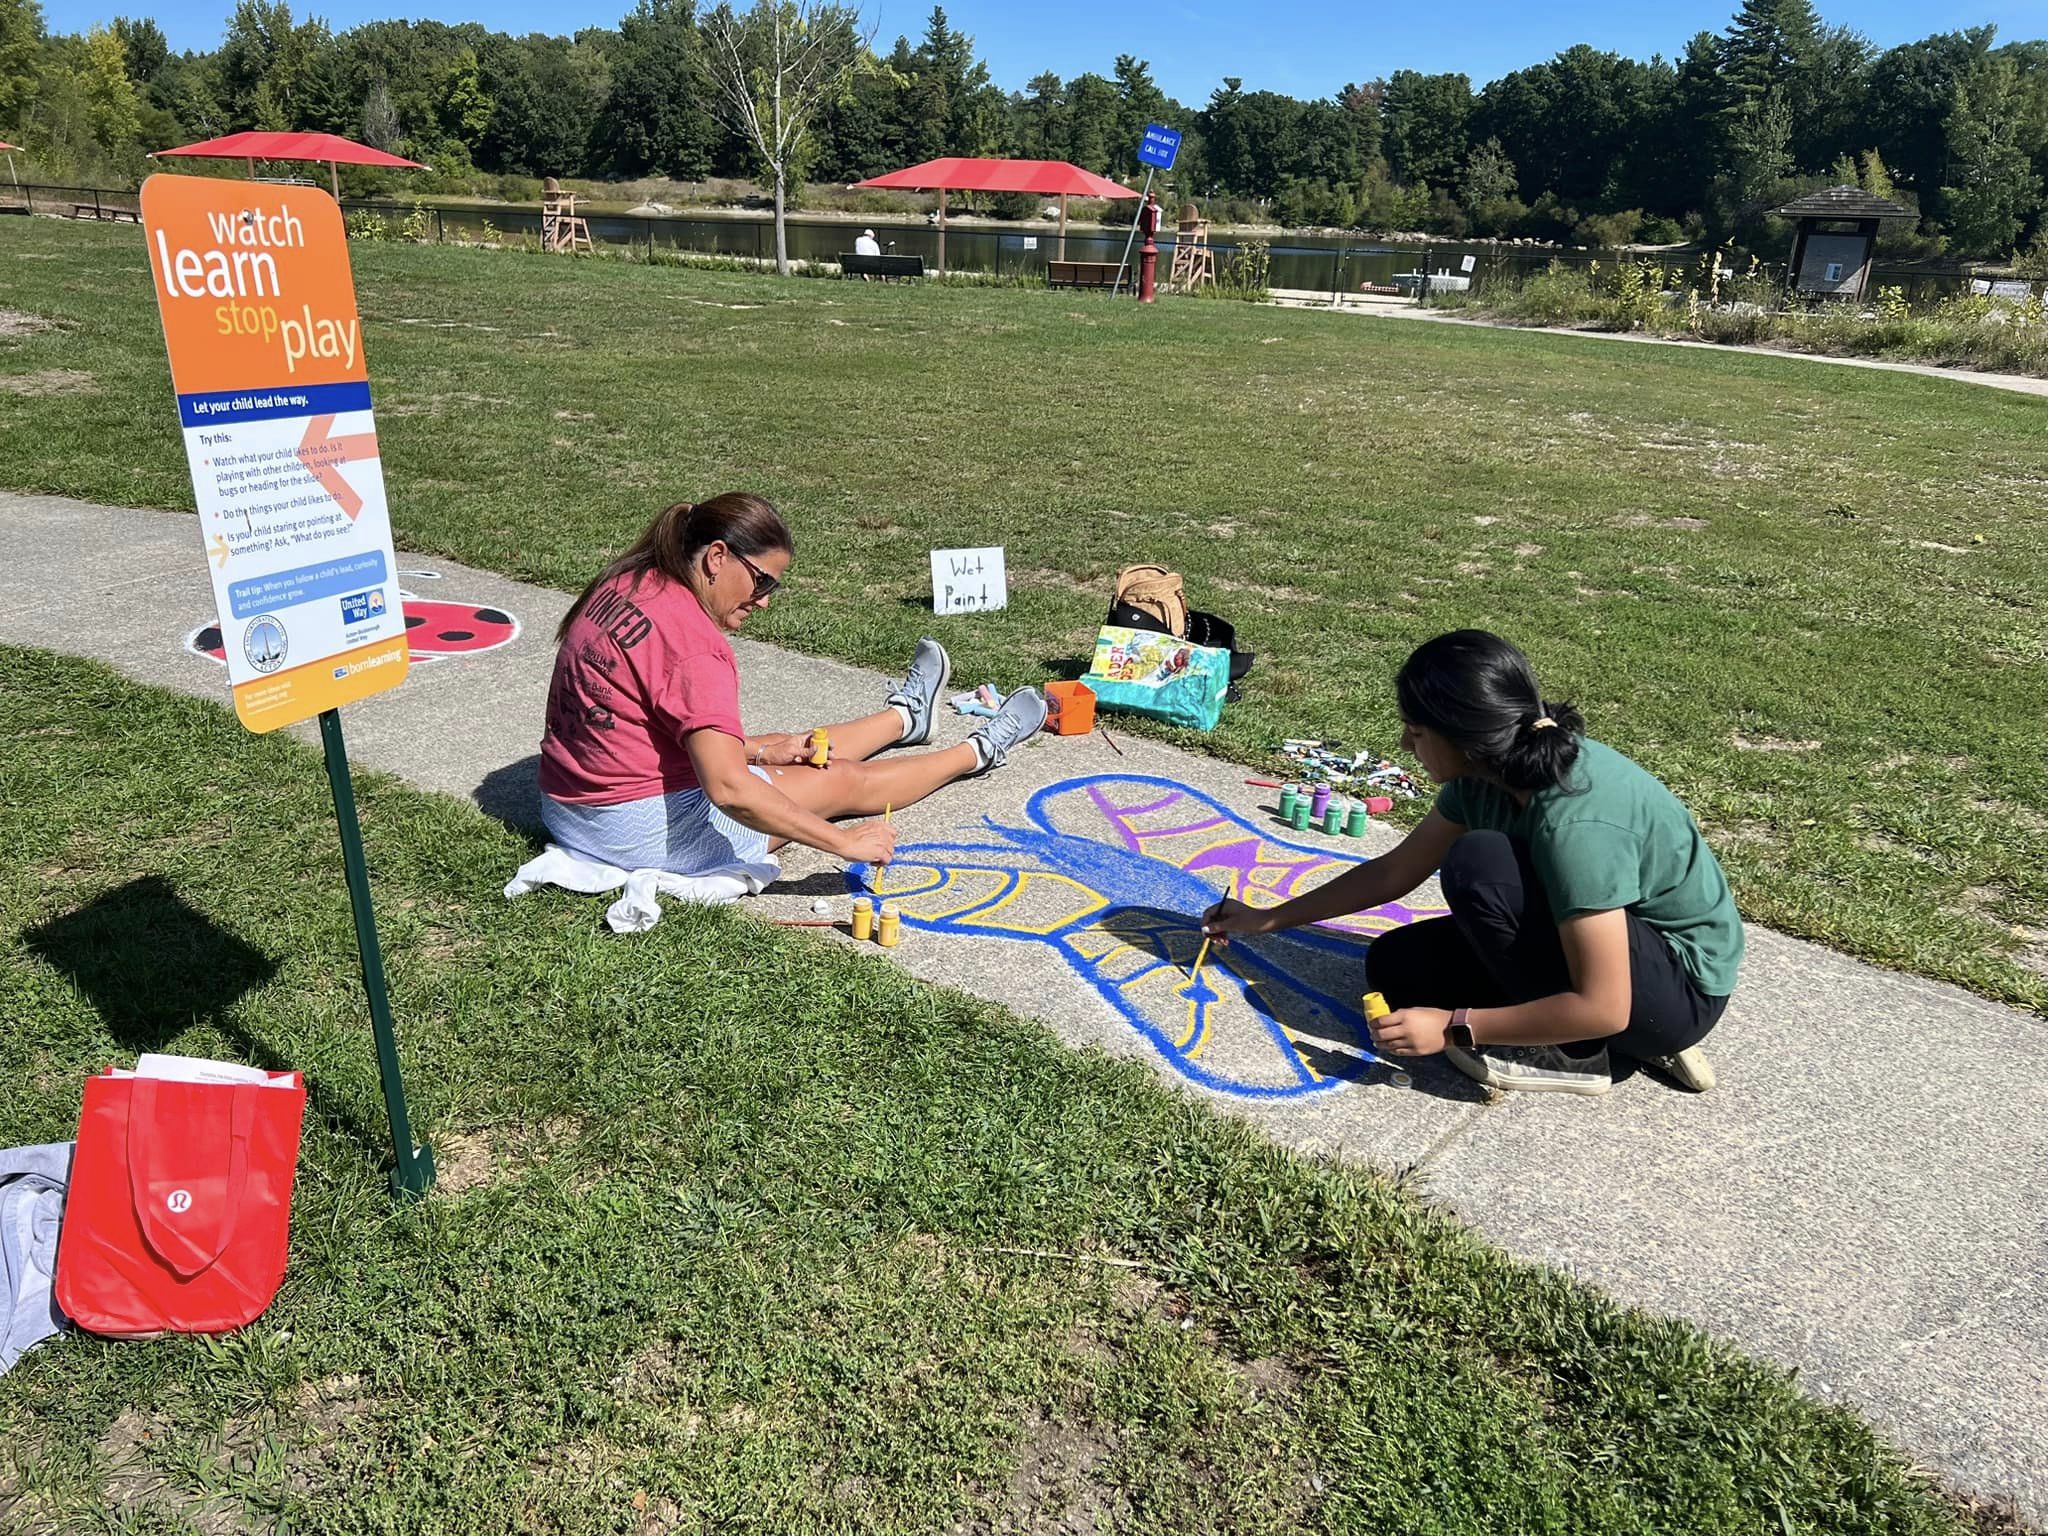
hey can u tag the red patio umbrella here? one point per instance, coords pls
(330, 147)
(961, 174)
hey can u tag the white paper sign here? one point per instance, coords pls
(968, 581)
(1031, 242)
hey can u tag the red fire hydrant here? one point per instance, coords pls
(1148, 253)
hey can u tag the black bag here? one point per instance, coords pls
(1162, 599)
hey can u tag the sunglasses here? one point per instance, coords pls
(764, 584)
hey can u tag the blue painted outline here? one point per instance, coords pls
(1102, 868)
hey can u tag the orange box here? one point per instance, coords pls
(1070, 708)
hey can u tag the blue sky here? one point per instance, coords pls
(1302, 47)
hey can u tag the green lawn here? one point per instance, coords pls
(1808, 597)
(725, 1236)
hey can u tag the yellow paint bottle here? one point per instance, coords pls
(1375, 1008)
(821, 747)
(863, 917)
(891, 929)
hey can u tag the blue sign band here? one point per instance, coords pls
(283, 589)
(1159, 146)
(231, 406)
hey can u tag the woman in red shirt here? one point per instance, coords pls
(644, 764)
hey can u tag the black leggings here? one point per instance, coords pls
(1500, 947)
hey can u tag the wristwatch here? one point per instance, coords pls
(1459, 1032)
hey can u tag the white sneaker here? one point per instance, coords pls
(918, 697)
(1533, 1068)
(1690, 1069)
(1021, 717)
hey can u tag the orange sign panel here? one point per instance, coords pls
(259, 312)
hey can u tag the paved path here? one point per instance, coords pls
(1861, 1199)
(1383, 308)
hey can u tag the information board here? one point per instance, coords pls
(266, 348)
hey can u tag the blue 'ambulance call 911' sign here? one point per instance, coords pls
(1159, 147)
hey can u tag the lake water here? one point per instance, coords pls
(1321, 263)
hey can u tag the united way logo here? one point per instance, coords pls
(264, 643)
(434, 628)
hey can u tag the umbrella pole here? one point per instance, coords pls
(252, 167)
(334, 181)
(942, 231)
(1063, 226)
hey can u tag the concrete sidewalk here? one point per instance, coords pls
(1860, 1199)
(1381, 307)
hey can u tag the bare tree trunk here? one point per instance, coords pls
(781, 232)
(781, 159)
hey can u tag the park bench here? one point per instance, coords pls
(888, 268)
(96, 211)
(1081, 274)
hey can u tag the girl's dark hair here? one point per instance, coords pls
(1479, 693)
(743, 522)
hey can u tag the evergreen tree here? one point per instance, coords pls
(1993, 185)
(21, 40)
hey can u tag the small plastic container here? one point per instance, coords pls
(1288, 796)
(1333, 819)
(1069, 708)
(890, 930)
(863, 918)
(1354, 824)
(1301, 814)
(1319, 802)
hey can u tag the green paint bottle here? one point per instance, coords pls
(1354, 824)
(1300, 821)
(1333, 819)
(1288, 796)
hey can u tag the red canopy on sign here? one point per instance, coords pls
(960, 173)
(330, 147)
(1047, 178)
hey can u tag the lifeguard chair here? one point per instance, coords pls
(561, 227)
(1193, 262)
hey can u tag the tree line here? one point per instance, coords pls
(1587, 146)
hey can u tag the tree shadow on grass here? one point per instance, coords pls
(152, 966)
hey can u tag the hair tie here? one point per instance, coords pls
(1541, 721)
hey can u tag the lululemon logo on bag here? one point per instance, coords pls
(179, 1201)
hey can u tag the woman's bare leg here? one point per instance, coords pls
(856, 741)
(848, 788)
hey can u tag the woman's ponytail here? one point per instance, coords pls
(1479, 693)
(743, 522)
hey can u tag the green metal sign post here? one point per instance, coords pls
(415, 1170)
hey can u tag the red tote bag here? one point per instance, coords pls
(180, 1204)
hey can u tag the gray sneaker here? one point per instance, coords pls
(1020, 718)
(1690, 1069)
(1539, 1068)
(930, 670)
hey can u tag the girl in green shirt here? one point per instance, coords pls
(1588, 915)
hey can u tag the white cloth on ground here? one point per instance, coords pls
(637, 910)
(33, 1181)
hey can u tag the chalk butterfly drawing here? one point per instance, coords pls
(1112, 873)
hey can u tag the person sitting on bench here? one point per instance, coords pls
(867, 245)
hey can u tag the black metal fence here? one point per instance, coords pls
(1334, 266)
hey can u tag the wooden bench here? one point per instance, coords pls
(96, 211)
(1081, 274)
(887, 268)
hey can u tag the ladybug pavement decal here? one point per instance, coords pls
(434, 627)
